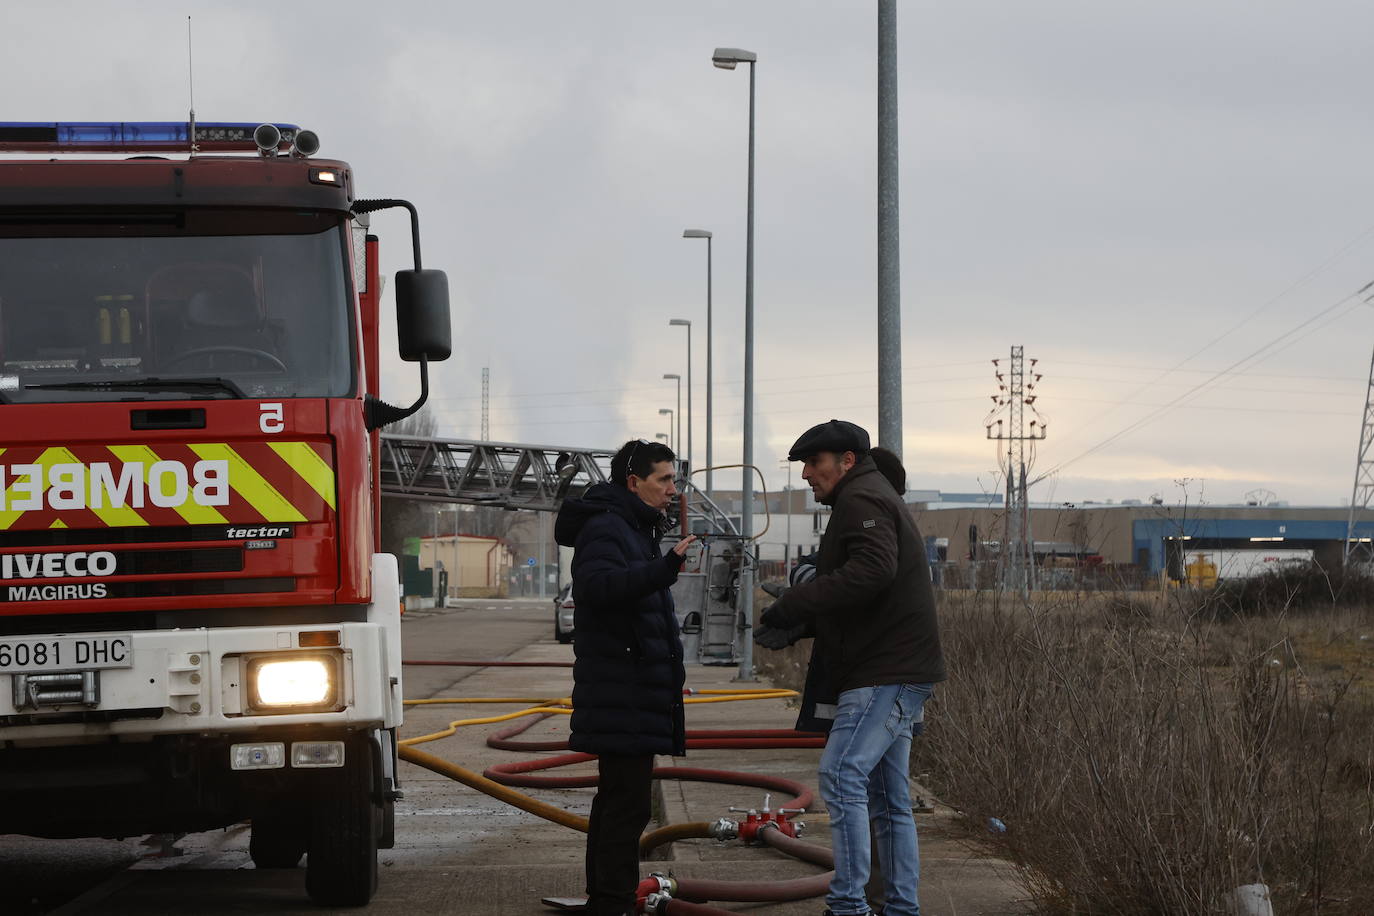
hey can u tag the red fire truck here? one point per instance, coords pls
(196, 623)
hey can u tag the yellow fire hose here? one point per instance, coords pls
(544, 706)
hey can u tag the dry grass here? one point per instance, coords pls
(1147, 757)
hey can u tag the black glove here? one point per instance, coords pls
(775, 638)
(777, 616)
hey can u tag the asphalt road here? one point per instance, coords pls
(91, 876)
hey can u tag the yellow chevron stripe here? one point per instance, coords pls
(50, 456)
(194, 514)
(251, 485)
(122, 517)
(307, 462)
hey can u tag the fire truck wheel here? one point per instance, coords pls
(386, 836)
(341, 864)
(278, 841)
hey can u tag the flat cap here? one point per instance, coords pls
(835, 436)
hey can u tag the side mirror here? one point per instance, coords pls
(423, 330)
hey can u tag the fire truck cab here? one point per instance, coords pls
(197, 627)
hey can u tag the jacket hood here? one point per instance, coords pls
(599, 498)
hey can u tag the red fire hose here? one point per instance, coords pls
(688, 896)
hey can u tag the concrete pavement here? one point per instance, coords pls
(461, 852)
(508, 859)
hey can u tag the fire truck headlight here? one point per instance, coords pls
(293, 684)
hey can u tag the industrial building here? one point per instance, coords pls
(1144, 543)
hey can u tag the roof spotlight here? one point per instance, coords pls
(268, 138)
(306, 144)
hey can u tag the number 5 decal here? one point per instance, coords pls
(271, 419)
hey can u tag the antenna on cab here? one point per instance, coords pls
(191, 81)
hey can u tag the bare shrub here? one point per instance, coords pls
(1147, 760)
(1295, 589)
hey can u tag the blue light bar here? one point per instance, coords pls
(131, 136)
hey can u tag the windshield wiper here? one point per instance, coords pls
(220, 384)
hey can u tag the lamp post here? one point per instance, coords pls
(787, 508)
(453, 578)
(728, 59)
(663, 436)
(667, 412)
(684, 323)
(678, 434)
(702, 234)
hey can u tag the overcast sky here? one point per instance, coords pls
(1142, 194)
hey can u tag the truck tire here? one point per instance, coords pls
(341, 863)
(279, 841)
(386, 835)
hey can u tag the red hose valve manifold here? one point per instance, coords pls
(756, 820)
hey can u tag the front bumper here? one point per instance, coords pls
(191, 682)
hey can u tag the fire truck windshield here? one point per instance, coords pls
(118, 306)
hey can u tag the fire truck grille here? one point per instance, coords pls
(162, 562)
(179, 587)
(72, 537)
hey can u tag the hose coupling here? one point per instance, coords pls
(725, 829)
(799, 826)
(657, 903)
(667, 884)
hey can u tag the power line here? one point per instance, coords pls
(1203, 385)
(1333, 259)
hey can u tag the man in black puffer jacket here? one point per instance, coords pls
(628, 677)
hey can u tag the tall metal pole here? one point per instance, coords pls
(434, 554)
(710, 489)
(746, 662)
(889, 251)
(728, 59)
(455, 579)
(668, 412)
(543, 541)
(689, 397)
(1364, 471)
(787, 507)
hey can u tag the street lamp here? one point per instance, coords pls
(667, 412)
(702, 234)
(787, 508)
(454, 580)
(673, 376)
(727, 59)
(663, 436)
(684, 323)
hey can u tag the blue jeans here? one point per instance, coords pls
(864, 774)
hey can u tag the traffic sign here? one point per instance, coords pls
(530, 562)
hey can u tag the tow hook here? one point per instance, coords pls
(756, 820)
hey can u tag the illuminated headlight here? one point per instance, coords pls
(294, 683)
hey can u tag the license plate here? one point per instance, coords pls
(66, 653)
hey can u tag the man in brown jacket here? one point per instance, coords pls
(872, 611)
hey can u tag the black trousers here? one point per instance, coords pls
(620, 812)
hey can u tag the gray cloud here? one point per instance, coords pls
(1112, 185)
